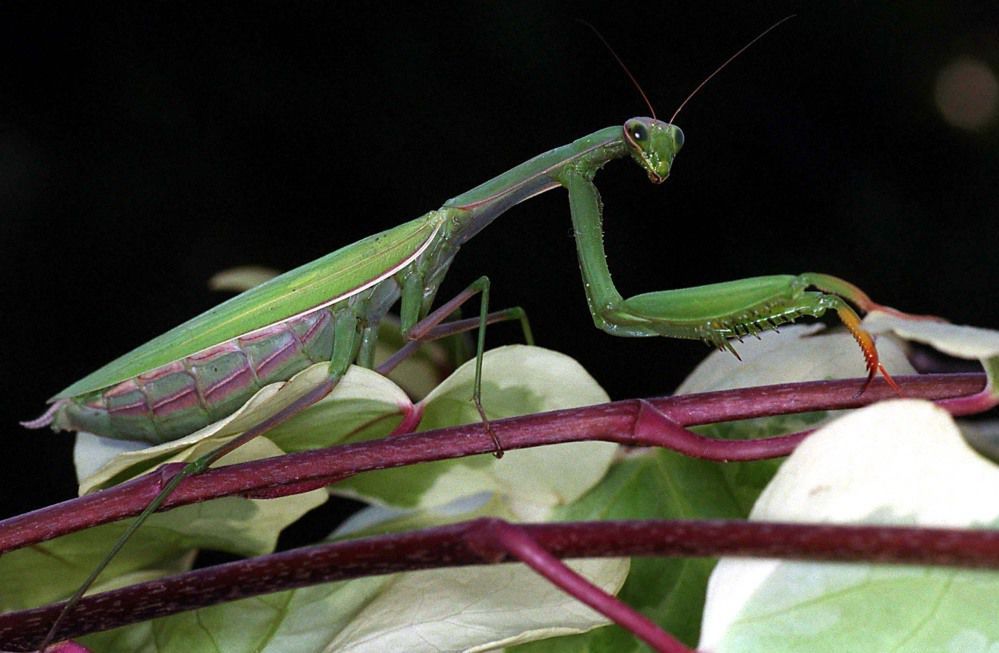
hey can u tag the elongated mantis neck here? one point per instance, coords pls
(651, 143)
(489, 200)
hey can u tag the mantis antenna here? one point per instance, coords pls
(717, 70)
(627, 72)
(726, 63)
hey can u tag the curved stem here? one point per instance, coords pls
(615, 422)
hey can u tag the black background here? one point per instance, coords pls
(143, 148)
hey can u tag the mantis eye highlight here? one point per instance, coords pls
(638, 133)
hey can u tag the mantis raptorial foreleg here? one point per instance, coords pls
(714, 313)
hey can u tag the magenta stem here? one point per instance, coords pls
(655, 422)
(474, 542)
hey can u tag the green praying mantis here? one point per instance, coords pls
(330, 309)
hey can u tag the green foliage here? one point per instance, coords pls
(896, 462)
(915, 470)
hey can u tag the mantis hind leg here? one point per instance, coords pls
(453, 326)
(433, 327)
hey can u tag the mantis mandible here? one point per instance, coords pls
(330, 309)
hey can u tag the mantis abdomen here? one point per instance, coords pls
(180, 397)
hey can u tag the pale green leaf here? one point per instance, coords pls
(953, 339)
(798, 353)
(661, 484)
(430, 364)
(475, 608)
(652, 484)
(237, 525)
(54, 569)
(378, 520)
(517, 380)
(472, 609)
(898, 462)
(287, 622)
(364, 405)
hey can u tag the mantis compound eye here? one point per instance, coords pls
(638, 132)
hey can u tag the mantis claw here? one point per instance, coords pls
(867, 346)
(890, 381)
(497, 447)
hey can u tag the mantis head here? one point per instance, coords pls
(653, 144)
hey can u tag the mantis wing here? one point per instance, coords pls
(322, 282)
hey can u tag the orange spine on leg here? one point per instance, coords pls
(866, 342)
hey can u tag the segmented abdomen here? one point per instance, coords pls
(185, 395)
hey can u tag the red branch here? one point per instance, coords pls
(475, 542)
(654, 422)
(659, 422)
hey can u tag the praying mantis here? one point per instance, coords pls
(330, 309)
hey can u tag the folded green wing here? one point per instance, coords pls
(326, 280)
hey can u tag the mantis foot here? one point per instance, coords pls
(867, 346)
(497, 447)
